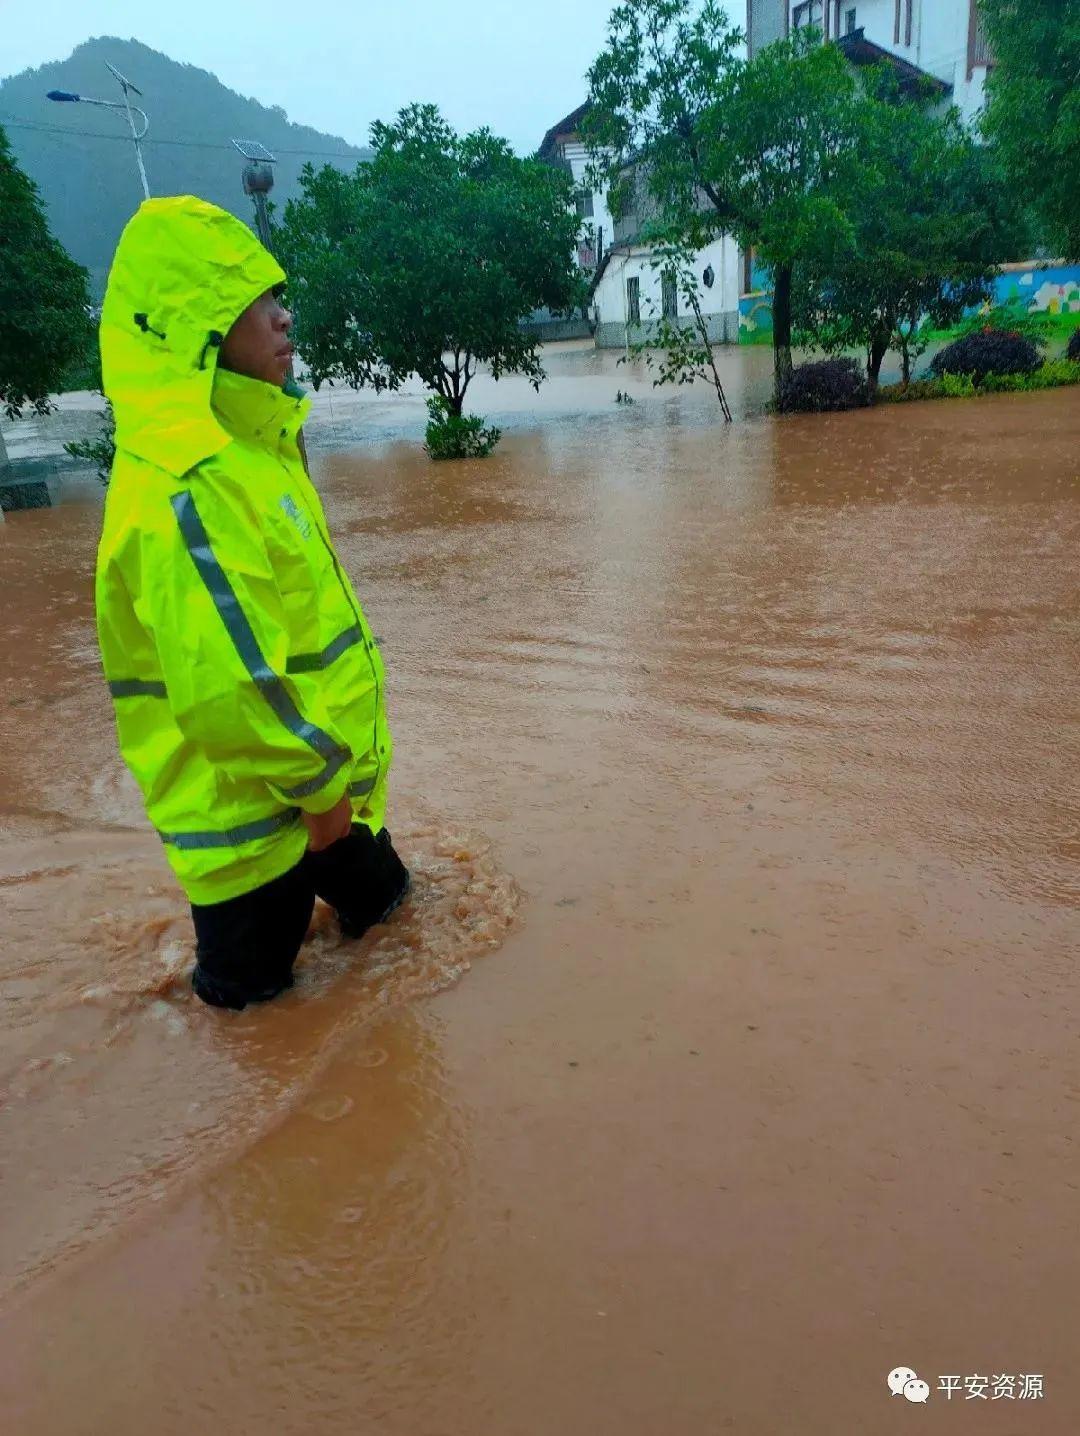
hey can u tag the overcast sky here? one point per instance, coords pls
(514, 65)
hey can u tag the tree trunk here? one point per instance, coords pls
(878, 348)
(706, 343)
(781, 328)
(905, 364)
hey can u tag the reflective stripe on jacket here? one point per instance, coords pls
(246, 683)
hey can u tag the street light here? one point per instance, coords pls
(67, 97)
(258, 181)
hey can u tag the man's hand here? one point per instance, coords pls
(326, 828)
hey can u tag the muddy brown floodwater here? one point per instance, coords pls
(728, 1054)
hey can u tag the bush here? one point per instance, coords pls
(1072, 350)
(990, 351)
(457, 436)
(907, 393)
(823, 387)
(100, 451)
(1012, 317)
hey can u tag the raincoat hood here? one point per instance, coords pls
(183, 272)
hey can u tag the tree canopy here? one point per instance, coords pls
(44, 305)
(761, 149)
(927, 220)
(1032, 115)
(426, 260)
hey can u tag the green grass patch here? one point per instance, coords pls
(1050, 328)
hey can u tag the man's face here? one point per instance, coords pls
(258, 343)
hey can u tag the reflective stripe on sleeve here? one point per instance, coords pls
(312, 662)
(232, 837)
(136, 688)
(314, 785)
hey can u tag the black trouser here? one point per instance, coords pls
(246, 946)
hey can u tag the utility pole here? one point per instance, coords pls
(258, 181)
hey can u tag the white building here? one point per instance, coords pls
(632, 294)
(943, 39)
(629, 294)
(563, 146)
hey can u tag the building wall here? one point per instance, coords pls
(764, 23)
(719, 304)
(939, 30)
(943, 31)
(601, 219)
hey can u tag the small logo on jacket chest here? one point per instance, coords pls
(303, 524)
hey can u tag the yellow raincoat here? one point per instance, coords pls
(246, 684)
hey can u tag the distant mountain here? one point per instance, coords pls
(89, 180)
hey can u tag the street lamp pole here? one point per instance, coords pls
(258, 180)
(130, 110)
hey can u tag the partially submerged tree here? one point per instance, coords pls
(680, 349)
(1032, 116)
(928, 221)
(44, 306)
(760, 149)
(426, 260)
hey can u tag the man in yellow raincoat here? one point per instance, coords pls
(247, 687)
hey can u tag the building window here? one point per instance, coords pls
(633, 300)
(585, 204)
(849, 22)
(978, 47)
(669, 295)
(904, 8)
(805, 14)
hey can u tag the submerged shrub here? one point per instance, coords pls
(457, 436)
(990, 351)
(1072, 350)
(824, 386)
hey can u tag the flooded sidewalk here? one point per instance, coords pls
(727, 1055)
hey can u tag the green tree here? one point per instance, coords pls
(761, 149)
(426, 260)
(928, 221)
(1032, 115)
(44, 305)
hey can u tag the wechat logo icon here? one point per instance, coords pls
(904, 1382)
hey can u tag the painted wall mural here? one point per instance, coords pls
(1050, 289)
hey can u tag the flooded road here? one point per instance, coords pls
(728, 1053)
